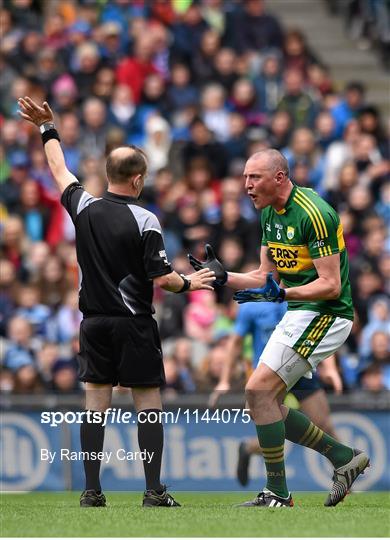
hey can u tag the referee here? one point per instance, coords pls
(121, 254)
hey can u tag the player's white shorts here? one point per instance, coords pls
(301, 340)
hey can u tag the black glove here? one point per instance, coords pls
(212, 263)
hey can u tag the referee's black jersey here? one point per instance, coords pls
(120, 249)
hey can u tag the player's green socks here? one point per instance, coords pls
(300, 430)
(271, 439)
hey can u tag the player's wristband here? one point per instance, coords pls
(281, 296)
(186, 284)
(223, 280)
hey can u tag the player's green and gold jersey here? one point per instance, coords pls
(307, 228)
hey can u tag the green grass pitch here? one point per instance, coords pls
(202, 514)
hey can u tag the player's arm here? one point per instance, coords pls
(232, 352)
(178, 283)
(324, 249)
(32, 112)
(326, 287)
(329, 374)
(254, 278)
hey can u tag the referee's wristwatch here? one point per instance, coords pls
(186, 283)
(46, 126)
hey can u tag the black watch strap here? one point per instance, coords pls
(186, 284)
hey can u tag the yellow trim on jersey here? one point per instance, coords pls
(290, 259)
(309, 212)
(325, 251)
(305, 202)
(316, 210)
(310, 216)
(340, 238)
(280, 212)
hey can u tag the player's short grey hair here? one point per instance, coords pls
(276, 160)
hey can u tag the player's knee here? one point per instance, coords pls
(253, 386)
(261, 382)
(257, 391)
(262, 390)
(255, 401)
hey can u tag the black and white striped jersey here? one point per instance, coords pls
(120, 249)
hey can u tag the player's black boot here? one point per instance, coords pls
(345, 476)
(152, 498)
(270, 500)
(243, 464)
(90, 498)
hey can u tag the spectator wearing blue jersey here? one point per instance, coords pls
(378, 321)
(303, 150)
(19, 359)
(259, 321)
(349, 107)
(32, 310)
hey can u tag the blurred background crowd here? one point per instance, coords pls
(200, 85)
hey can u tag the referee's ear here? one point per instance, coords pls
(138, 184)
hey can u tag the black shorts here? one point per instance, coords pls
(121, 350)
(305, 388)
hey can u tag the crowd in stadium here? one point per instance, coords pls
(200, 86)
(367, 22)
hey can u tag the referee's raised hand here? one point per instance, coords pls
(34, 113)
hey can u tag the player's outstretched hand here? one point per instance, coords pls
(201, 279)
(34, 113)
(212, 263)
(271, 292)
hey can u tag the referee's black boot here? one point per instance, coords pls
(91, 498)
(153, 498)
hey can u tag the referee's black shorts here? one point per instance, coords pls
(121, 350)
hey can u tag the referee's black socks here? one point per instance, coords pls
(92, 439)
(151, 439)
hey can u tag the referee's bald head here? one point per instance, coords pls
(124, 163)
